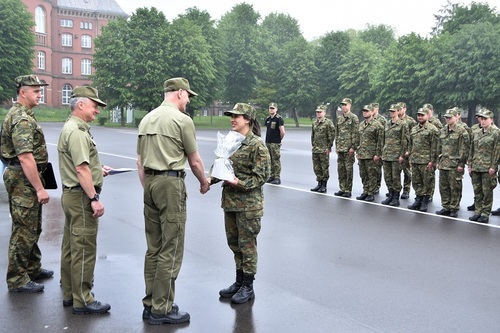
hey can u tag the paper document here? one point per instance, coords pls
(120, 170)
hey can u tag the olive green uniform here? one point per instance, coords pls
(166, 137)
(322, 137)
(371, 141)
(79, 244)
(347, 137)
(410, 122)
(396, 140)
(383, 121)
(423, 149)
(21, 134)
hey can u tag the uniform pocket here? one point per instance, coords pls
(84, 231)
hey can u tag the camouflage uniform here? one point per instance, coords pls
(21, 134)
(322, 137)
(383, 121)
(346, 137)
(410, 122)
(484, 154)
(453, 151)
(371, 140)
(273, 143)
(396, 140)
(423, 149)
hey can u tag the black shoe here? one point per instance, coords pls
(30, 287)
(362, 196)
(483, 219)
(95, 308)
(453, 213)
(339, 193)
(388, 194)
(276, 181)
(471, 207)
(346, 194)
(44, 274)
(243, 295)
(405, 195)
(474, 217)
(496, 212)
(370, 198)
(444, 212)
(270, 179)
(67, 302)
(146, 313)
(173, 317)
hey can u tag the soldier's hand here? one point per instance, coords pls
(42, 196)
(98, 208)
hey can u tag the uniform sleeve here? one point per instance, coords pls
(355, 133)
(261, 169)
(22, 137)
(380, 140)
(464, 145)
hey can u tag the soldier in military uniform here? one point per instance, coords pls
(82, 178)
(434, 121)
(322, 137)
(423, 159)
(383, 121)
(274, 135)
(24, 151)
(453, 151)
(484, 157)
(347, 139)
(243, 201)
(166, 140)
(410, 122)
(396, 139)
(368, 152)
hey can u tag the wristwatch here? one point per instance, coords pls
(95, 198)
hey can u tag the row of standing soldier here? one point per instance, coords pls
(414, 148)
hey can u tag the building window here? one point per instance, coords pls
(67, 65)
(86, 41)
(86, 67)
(41, 60)
(42, 94)
(86, 25)
(40, 16)
(66, 93)
(67, 39)
(66, 23)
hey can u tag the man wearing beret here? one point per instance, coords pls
(166, 141)
(24, 151)
(82, 178)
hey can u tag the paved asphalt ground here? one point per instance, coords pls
(326, 264)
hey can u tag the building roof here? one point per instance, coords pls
(98, 6)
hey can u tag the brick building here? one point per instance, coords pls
(65, 31)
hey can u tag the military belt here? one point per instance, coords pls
(171, 173)
(79, 188)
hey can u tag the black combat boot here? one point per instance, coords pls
(246, 291)
(322, 189)
(416, 205)
(389, 198)
(315, 189)
(424, 204)
(233, 289)
(395, 199)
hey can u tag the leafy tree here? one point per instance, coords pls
(298, 89)
(17, 45)
(329, 54)
(239, 33)
(382, 36)
(112, 61)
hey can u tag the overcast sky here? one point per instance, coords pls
(317, 17)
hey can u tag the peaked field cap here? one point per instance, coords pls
(395, 107)
(321, 108)
(178, 83)
(88, 92)
(374, 105)
(485, 113)
(423, 111)
(273, 105)
(243, 109)
(402, 104)
(428, 106)
(450, 113)
(29, 80)
(346, 101)
(367, 107)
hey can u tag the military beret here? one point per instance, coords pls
(29, 80)
(244, 109)
(88, 92)
(178, 83)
